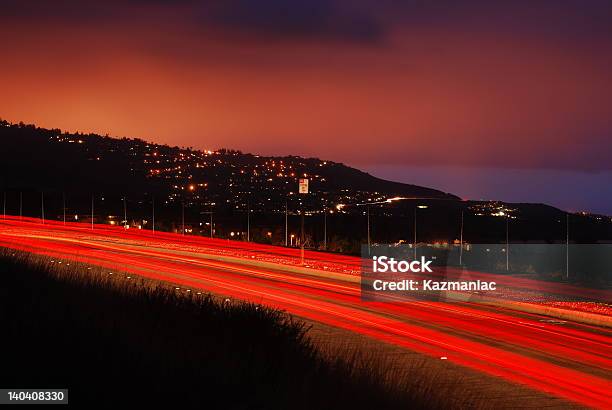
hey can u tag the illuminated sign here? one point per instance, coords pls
(303, 186)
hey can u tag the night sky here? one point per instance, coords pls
(485, 99)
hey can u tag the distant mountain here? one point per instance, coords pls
(52, 160)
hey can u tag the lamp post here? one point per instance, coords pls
(507, 246)
(248, 220)
(415, 227)
(92, 212)
(125, 221)
(42, 207)
(324, 229)
(369, 242)
(461, 241)
(567, 245)
(182, 217)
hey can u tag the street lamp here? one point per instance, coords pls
(461, 241)
(249, 220)
(507, 246)
(325, 229)
(92, 212)
(369, 242)
(125, 221)
(567, 245)
(415, 227)
(153, 214)
(183, 218)
(42, 206)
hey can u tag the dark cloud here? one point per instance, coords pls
(360, 21)
(61, 11)
(316, 19)
(321, 20)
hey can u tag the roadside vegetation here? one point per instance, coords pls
(116, 340)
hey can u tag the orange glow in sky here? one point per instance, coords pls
(504, 86)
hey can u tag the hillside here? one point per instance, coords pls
(48, 159)
(126, 177)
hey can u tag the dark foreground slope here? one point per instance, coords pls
(114, 341)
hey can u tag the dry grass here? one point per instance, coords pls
(121, 339)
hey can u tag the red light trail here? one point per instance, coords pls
(572, 361)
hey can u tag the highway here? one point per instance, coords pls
(569, 360)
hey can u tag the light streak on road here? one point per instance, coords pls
(571, 361)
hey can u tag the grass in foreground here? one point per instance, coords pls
(113, 341)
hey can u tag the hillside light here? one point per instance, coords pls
(396, 198)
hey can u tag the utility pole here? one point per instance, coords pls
(325, 229)
(567, 245)
(20, 205)
(125, 213)
(369, 242)
(302, 237)
(42, 206)
(415, 232)
(64, 206)
(92, 212)
(4, 205)
(183, 218)
(286, 221)
(153, 221)
(507, 246)
(461, 241)
(249, 219)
